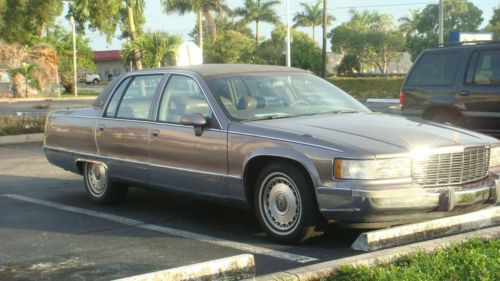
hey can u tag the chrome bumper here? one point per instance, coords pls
(396, 206)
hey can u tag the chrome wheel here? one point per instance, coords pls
(280, 203)
(97, 179)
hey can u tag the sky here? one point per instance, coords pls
(156, 20)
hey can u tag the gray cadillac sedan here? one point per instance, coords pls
(292, 146)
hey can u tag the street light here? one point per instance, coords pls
(72, 23)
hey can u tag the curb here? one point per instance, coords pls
(416, 232)
(17, 139)
(232, 268)
(14, 100)
(326, 269)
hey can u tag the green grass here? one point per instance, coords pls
(18, 125)
(369, 87)
(473, 260)
(80, 94)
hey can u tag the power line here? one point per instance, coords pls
(380, 6)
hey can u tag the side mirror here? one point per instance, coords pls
(196, 120)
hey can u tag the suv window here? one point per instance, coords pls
(182, 96)
(435, 69)
(137, 99)
(487, 71)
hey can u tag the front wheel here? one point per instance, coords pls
(99, 188)
(284, 203)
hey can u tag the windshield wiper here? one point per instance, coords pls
(270, 117)
(340, 111)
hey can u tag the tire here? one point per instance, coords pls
(95, 81)
(448, 117)
(99, 188)
(285, 204)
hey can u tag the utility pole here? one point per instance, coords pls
(75, 89)
(288, 39)
(325, 27)
(441, 22)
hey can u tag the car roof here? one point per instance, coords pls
(206, 70)
(466, 45)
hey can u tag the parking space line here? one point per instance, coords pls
(167, 230)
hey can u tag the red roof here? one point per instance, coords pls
(113, 55)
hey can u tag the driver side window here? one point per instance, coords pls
(181, 96)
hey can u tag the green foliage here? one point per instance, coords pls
(311, 16)
(156, 48)
(23, 21)
(473, 260)
(494, 24)
(409, 25)
(371, 37)
(231, 47)
(17, 125)
(369, 87)
(349, 65)
(62, 40)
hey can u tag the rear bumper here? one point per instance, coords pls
(380, 208)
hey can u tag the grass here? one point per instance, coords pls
(473, 260)
(369, 87)
(18, 125)
(81, 94)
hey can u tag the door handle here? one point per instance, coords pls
(155, 133)
(463, 92)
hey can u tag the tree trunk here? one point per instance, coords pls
(200, 30)
(213, 27)
(133, 36)
(257, 32)
(314, 27)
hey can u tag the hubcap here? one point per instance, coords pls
(280, 203)
(97, 178)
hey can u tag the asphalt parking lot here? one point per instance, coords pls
(50, 231)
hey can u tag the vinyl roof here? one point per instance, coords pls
(225, 69)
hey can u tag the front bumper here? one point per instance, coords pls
(385, 207)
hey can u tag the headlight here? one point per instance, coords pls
(390, 168)
(495, 156)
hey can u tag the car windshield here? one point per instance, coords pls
(250, 97)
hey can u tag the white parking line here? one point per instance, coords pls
(167, 230)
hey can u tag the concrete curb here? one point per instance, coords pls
(17, 139)
(323, 270)
(232, 268)
(415, 232)
(14, 100)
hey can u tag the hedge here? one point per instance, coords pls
(369, 87)
(17, 125)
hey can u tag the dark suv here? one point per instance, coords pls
(458, 84)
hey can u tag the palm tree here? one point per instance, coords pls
(201, 8)
(311, 16)
(156, 48)
(408, 25)
(138, 5)
(258, 11)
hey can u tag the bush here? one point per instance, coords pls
(473, 260)
(18, 125)
(369, 87)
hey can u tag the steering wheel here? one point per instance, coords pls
(299, 102)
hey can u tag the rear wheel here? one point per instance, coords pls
(95, 81)
(284, 203)
(99, 188)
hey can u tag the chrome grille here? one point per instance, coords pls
(452, 168)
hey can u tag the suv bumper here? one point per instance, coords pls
(381, 208)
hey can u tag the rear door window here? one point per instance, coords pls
(487, 70)
(137, 99)
(436, 69)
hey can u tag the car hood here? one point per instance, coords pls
(374, 133)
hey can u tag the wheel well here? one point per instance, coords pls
(431, 111)
(79, 166)
(255, 165)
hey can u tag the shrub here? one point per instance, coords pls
(369, 87)
(17, 125)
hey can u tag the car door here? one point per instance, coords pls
(481, 90)
(122, 133)
(181, 160)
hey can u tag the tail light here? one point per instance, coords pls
(401, 99)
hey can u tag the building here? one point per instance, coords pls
(109, 64)
(400, 66)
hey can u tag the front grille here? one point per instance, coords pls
(452, 168)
